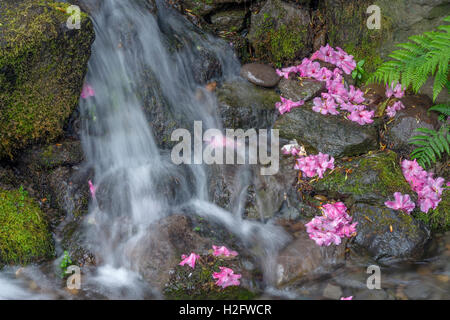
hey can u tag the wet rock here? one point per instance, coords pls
(40, 91)
(206, 66)
(260, 74)
(304, 260)
(406, 121)
(65, 153)
(305, 89)
(369, 178)
(229, 20)
(406, 240)
(329, 134)
(72, 238)
(245, 106)
(279, 32)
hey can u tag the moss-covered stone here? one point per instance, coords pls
(438, 219)
(373, 178)
(346, 23)
(279, 33)
(42, 66)
(24, 235)
(198, 283)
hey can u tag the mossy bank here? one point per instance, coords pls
(24, 234)
(42, 67)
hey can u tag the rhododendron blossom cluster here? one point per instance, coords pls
(226, 277)
(392, 110)
(402, 203)
(315, 165)
(293, 149)
(332, 226)
(428, 189)
(337, 96)
(395, 89)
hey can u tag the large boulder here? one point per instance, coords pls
(370, 178)
(279, 32)
(346, 23)
(24, 234)
(387, 234)
(329, 134)
(42, 66)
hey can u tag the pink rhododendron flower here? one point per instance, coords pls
(394, 91)
(223, 251)
(325, 107)
(87, 91)
(362, 117)
(428, 189)
(355, 95)
(189, 260)
(226, 277)
(345, 61)
(391, 111)
(332, 226)
(402, 203)
(92, 189)
(285, 72)
(315, 165)
(347, 298)
(287, 105)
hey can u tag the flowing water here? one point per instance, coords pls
(130, 170)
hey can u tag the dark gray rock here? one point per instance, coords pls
(306, 89)
(407, 239)
(260, 74)
(329, 134)
(229, 20)
(243, 105)
(406, 121)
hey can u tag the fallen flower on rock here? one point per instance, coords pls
(293, 149)
(287, 105)
(189, 260)
(223, 251)
(226, 277)
(362, 117)
(391, 111)
(428, 189)
(347, 298)
(315, 164)
(402, 203)
(332, 226)
(395, 91)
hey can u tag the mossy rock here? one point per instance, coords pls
(347, 28)
(370, 178)
(438, 219)
(387, 234)
(198, 284)
(24, 234)
(42, 67)
(280, 34)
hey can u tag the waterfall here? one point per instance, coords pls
(119, 144)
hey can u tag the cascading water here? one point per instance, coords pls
(120, 146)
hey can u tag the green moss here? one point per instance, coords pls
(347, 28)
(24, 235)
(277, 41)
(42, 67)
(438, 219)
(372, 177)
